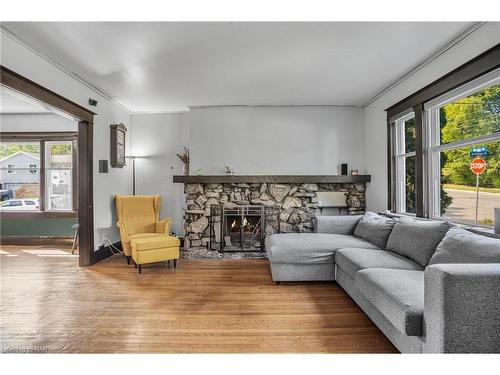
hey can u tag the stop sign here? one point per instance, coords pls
(478, 165)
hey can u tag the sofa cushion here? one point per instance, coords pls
(342, 224)
(461, 246)
(354, 260)
(309, 248)
(374, 228)
(153, 242)
(398, 294)
(417, 239)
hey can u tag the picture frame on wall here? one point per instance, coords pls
(117, 147)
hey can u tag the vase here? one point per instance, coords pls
(186, 169)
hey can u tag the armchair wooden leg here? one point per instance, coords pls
(135, 264)
(175, 263)
(128, 259)
(140, 268)
(277, 282)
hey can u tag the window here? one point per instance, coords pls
(33, 168)
(46, 180)
(463, 125)
(58, 169)
(444, 146)
(404, 161)
(17, 181)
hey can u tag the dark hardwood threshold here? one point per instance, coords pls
(36, 241)
(288, 179)
(105, 252)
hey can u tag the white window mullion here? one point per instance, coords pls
(433, 162)
(400, 184)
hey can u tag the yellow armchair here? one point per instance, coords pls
(138, 217)
(163, 226)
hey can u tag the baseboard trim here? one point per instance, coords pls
(36, 241)
(104, 252)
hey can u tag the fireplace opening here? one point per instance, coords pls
(240, 228)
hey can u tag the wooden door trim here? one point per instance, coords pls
(26, 86)
(85, 118)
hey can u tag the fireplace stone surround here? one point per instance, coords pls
(294, 197)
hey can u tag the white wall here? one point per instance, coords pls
(276, 140)
(375, 119)
(118, 181)
(36, 122)
(158, 138)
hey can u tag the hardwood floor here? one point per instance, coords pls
(50, 304)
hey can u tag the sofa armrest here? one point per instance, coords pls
(163, 226)
(336, 224)
(462, 308)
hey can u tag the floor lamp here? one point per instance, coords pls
(133, 158)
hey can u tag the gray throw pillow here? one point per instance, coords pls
(374, 228)
(417, 239)
(461, 246)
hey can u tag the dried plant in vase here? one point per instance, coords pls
(185, 159)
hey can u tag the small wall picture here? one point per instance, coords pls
(117, 146)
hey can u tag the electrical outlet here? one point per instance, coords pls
(104, 236)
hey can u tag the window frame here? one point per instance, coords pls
(476, 68)
(43, 138)
(399, 159)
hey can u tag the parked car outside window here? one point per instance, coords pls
(20, 205)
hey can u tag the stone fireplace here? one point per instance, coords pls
(229, 216)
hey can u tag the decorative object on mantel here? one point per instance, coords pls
(354, 172)
(344, 169)
(199, 172)
(117, 145)
(185, 160)
(229, 170)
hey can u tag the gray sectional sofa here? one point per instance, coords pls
(429, 286)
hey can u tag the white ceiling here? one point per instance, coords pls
(12, 102)
(168, 66)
